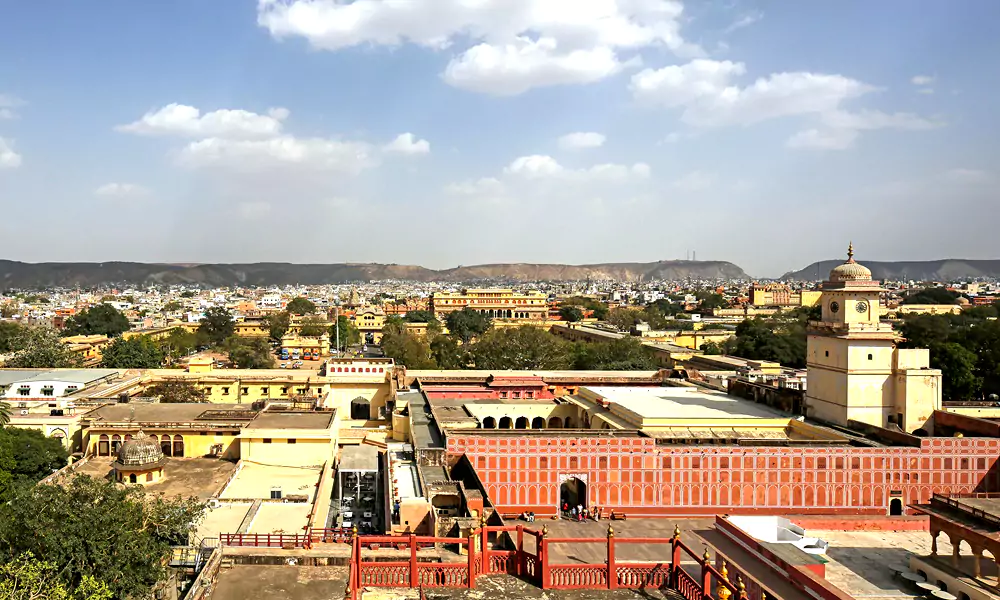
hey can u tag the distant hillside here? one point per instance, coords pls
(15, 274)
(927, 270)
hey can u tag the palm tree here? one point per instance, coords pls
(4, 414)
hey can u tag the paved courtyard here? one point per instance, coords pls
(199, 477)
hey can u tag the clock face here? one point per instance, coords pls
(862, 307)
(835, 306)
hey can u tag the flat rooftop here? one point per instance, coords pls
(679, 403)
(255, 481)
(155, 412)
(198, 477)
(359, 458)
(270, 419)
(277, 517)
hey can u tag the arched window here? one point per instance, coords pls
(538, 423)
(116, 442)
(521, 423)
(489, 423)
(178, 445)
(555, 423)
(103, 447)
(506, 423)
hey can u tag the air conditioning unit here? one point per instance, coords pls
(24, 412)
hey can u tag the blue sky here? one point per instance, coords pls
(444, 132)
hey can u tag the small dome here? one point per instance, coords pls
(140, 451)
(850, 270)
(963, 301)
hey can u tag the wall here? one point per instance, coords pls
(278, 451)
(195, 444)
(634, 475)
(341, 394)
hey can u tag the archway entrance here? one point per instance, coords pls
(506, 423)
(521, 423)
(896, 507)
(538, 423)
(573, 491)
(489, 423)
(360, 409)
(555, 423)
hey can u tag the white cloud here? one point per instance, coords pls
(187, 121)
(922, 80)
(745, 21)
(407, 143)
(841, 129)
(121, 190)
(830, 139)
(967, 176)
(708, 96)
(581, 140)
(506, 46)
(8, 158)
(7, 105)
(482, 186)
(284, 151)
(540, 166)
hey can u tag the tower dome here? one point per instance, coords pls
(850, 270)
(140, 452)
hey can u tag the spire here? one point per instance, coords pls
(850, 252)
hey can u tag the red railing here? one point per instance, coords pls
(578, 577)
(686, 585)
(384, 574)
(502, 561)
(264, 540)
(330, 536)
(442, 575)
(638, 576)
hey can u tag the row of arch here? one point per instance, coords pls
(524, 423)
(170, 446)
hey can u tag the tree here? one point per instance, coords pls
(710, 301)
(27, 578)
(118, 535)
(420, 316)
(571, 313)
(139, 352)
(624, 318)
(4, 414)
(467, 323)
(217, 325)
(408, 349)
(41, 348)
(34, 456)
(599, 308)
(778, 341)
(623, 354)
(313, 327)
(962, 383)
(102, 319)
(932, 295)
(250, 353)
(666, 307)
(172, 306)
(278, 324)
(520, 348)
(713, 348)
(175, 391)
(447, 353)
(301, 306)
(8, 333)
(179, 343)
(349, 334)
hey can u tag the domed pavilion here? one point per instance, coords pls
(140, 460)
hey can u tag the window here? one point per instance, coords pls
(225, 391)
(24, 390)
(263, 391)
(529, 394)
(503, 395)
(291, 440)
(284, 391)
(267, 440)
(48, 391)
(245, 391)
(827, 353)
(516, 395)
(70, 389)
(869, 357)
(208, 391)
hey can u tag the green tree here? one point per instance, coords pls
(313, 327)
(666, 307)
(408, 349)
(710, 300)
(4, 414)
(301, 306)
(34, 456)
(27, 578)
(175, 391)
(571, 313)
(623, 354)
(139, 352)
(779, 341)
(447, 354)
(102, 319)
(9, 331)
(217, 325)
(278, 324)
(349, 334)
(118, 535)
(467, 323)
(932, 295)
(172, 306)
(188, 294)
(599, 308)
(250, 353)
(41, 348)
(713, 348)
(624, 318)
(520, 348)
(961, 382)
(179, 343)
(420, 316)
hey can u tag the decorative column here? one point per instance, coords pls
(706, 575)
(934, 537)
(675, 558)
(612, 569)
(955, 548)
(722, 592)
(414, 578)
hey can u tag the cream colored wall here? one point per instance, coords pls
(254, 391)
(195, 444)
(304, 452)
(341, 395)
(400, 427)
(499, 410)
(809, 298)
(918, 395)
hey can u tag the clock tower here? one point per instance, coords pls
(855, 371)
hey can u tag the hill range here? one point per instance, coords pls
(926, 270)
(14, 274)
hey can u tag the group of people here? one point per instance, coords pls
(528, 516)
(580, 513)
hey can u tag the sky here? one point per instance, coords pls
(444, 132)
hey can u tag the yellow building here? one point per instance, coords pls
(290, 438)
(87, 347)
(315, 346)
(369, 321)
(359, 389)
(496, 303)
(246, 386)
(252, 327)
(855, 370)
(779, 294)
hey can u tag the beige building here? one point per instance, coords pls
(779, 294)
(855, 370)
(370, 320)
(290, 438)
(496, 303)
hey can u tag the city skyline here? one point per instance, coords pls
(619, 131)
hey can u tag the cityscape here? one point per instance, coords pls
(256, 343)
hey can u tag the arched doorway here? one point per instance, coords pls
(165, 446)
(896, 507)
(555, 423)
(131, 478)
(569, 423)
(178, 445)
(506, 423)
(103, 449)
(538, 423)
(521, 423)
(489, 423)
(116, 442)
(573, 491)
(360, 409)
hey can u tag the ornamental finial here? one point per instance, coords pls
(677, 531)
(850, 252)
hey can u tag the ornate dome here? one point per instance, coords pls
(138, 452)
(850, 270)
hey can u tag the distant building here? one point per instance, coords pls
(495, 303)
(779, 294)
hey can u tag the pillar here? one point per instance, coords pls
(977, 555)
(934, 537)
(706, 575)
(612, 569)
(955, 548)
(414, 578)
(472, 559)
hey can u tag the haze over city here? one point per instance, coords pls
(444, 133)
